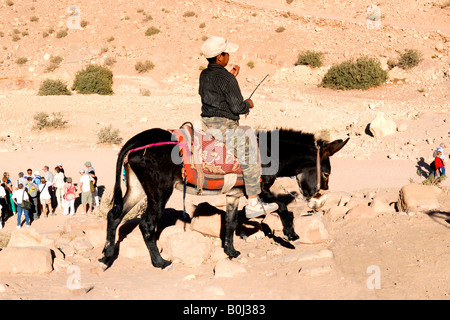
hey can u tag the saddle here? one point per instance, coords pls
(207, 163)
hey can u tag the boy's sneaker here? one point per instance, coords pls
(259, 209)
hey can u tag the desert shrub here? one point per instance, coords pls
(21, 60)
(83, 23)
(188, 14)
(251, 64)
(280, 29)
(109, 61)
(61, 34)
(409, 59)
(43, 120)
(34, 19)
(109, 135)
(52, 87)
(310, 58)
(364, 73)
(9, 3)
(15, 37)
(151, 31)
(94, 79)
(145, 92)
(145, 66)
(54, 63)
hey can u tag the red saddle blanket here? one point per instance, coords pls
(201, 151)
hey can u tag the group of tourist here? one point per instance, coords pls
(39, 194)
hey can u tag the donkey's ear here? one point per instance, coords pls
(328, 149)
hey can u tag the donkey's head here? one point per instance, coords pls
(314, 176)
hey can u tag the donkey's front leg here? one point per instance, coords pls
(230, 226)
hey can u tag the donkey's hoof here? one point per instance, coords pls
(292, 236)
(232, 253)
(162, 263)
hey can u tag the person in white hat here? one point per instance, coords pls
(222, 105)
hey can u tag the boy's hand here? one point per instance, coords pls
(235, 70)
(251, 103)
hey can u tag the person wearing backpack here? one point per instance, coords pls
(32, 190)
(70, 193)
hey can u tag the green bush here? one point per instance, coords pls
(310, 58)
(409, 59)
(53, 88)
(94, 79)
(363, 74)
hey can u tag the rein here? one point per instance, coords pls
(319, 173)
(157, 144)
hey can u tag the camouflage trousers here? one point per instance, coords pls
(242, 140)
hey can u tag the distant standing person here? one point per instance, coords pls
(3, 207)
(58, 184)
(70, 193)
(85, 190)
(439, 167)
(89, 167)
(19, 196)
(33, 193)
(95, 194)
(45, 197)
(22, 180)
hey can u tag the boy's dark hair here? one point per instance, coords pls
(213, 59)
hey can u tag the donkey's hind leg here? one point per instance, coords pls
(148, 224)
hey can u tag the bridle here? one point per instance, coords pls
(319, 172)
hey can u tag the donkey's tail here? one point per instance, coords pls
(117, 199)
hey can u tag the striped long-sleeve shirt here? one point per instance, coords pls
(220, 93)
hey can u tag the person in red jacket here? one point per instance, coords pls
(439, 165)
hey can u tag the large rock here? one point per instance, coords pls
(209, 225)
(381, 204)
(25, 237)
(418, 198)
(311, 229)
(188, 247)
(335, 213)
(361, 211)
(381, 126)
(94, 227)
(26, 260)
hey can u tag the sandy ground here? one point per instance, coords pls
(410, 252)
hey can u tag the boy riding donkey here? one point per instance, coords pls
(222, 105)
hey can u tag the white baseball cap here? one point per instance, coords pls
(216, 45)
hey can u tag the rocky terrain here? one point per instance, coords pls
(371, 225)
